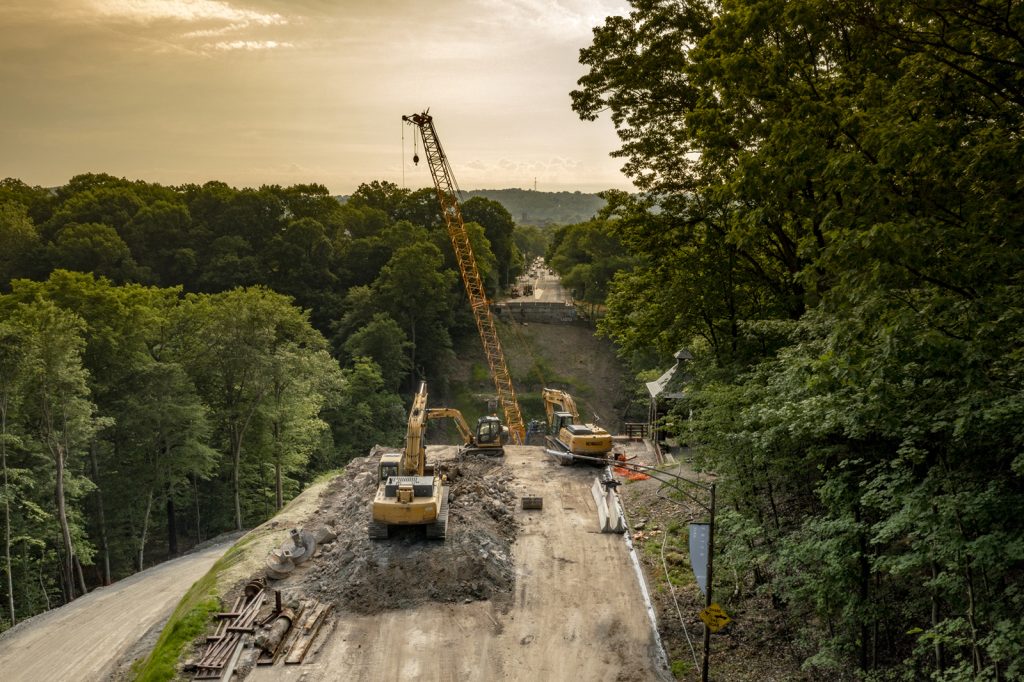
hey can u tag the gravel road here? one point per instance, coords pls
(81, 641)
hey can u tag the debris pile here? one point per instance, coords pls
(361, 575)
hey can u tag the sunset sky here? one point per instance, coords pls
(258, 92)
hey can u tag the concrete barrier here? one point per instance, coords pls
(602, 505)
(536, 311)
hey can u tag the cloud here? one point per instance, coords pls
(560, 19)
(215, 25)
(147, 11)
(250, 45)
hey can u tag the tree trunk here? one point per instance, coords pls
(195, 490)
(81, 576)
(236, 461)
(42, 586)
(940, 658)
(172, 525)
(104, 547)
(7, 512)
(145, 528)
(62, 517)
(277, 485)
(279, 494)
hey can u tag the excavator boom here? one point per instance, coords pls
(444, 184)
(414, 456)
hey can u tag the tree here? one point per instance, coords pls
(414, 289)
(365, 413)
(236, 339)
(587, 256)
(21, 244)
(383, 341)
(161, 241)
(12, 371)
(59, 409)
(499, 229)
(300, 384)
(382, 196)
(93, 247)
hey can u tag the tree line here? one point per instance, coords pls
(180, 361)
(830, 218)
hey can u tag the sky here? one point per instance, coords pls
(254, 92)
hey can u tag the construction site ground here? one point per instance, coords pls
(512, 594)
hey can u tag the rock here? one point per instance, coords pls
(324, 534)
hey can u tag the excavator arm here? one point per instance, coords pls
(559, 401)
(456, 416)
(414, 456)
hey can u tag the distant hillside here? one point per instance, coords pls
(543, 208)
(539, 208)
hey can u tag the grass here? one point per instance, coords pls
(681, 668)
(188, 620)
(196, 608)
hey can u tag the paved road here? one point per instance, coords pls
(578, 612)
(82, 640)
(547, 287)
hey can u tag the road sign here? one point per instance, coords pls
(714, 617)
(700, 543)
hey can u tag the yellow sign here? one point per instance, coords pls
(714, 617)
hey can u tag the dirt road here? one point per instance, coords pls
(82, 640)
(577, 613)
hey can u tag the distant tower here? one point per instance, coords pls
(535, 183)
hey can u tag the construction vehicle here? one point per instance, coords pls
(409, 492)
(566, 437)
(446, 187)
(490, 436)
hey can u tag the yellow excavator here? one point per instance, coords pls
(490, 436)
(409, 492)
(568, 438)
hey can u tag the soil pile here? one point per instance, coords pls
(369, 576)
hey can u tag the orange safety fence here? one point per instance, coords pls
(628, 474)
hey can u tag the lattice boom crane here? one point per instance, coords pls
(444, 183)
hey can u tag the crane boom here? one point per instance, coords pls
(444, 184)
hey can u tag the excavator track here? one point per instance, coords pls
(438, 530)
(377, 530)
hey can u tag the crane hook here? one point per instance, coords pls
(416, 159)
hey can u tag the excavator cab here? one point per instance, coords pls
(490, 430)
(388, 466)
(559, 421)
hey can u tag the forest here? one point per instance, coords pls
(830, 217)
(177, 362)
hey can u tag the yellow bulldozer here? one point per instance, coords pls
(490, 437)
(567, 438)
(409, 492)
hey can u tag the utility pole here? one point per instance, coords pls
(706, 662)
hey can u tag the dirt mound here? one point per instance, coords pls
(369, 576)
